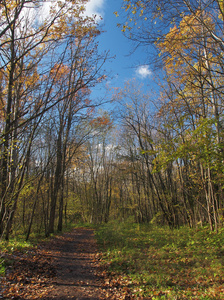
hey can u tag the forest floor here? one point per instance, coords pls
(67, 267)
(117, 261)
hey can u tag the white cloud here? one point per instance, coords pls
(143, 71)
(44, 11)
(95, 7)
(33, 15)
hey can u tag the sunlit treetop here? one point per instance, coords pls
(146, 20)
(46, 20)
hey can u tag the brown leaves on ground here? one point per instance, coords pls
(44, 272)
(115, 288)
(28, 276)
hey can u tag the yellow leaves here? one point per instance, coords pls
(180, 46)
(221, 6)
(141, 12)
(10, 7)
(134, 9)
(171, 41)
(126, 27)
(182, 41)
(60, 4)
(71, 20)
(127, 7)
(32, 79)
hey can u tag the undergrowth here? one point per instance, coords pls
(160, 263)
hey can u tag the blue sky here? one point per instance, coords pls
(124, 66)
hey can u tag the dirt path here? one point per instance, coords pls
(76, 270)
(64, 268)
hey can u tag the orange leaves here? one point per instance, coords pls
(101, 122)
(31, 80)
(59, 71)
(101, 78)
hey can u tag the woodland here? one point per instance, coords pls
(157, 158)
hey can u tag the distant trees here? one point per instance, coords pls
(187, 142)
(169, 163)
(153, 191)
(61, 160)
(94, 174)
(48, 61)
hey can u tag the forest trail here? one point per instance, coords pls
(76, 269)
(67, 267)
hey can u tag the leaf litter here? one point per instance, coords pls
(67, 267)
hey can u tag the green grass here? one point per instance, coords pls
(15, 244)
(164, 264)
